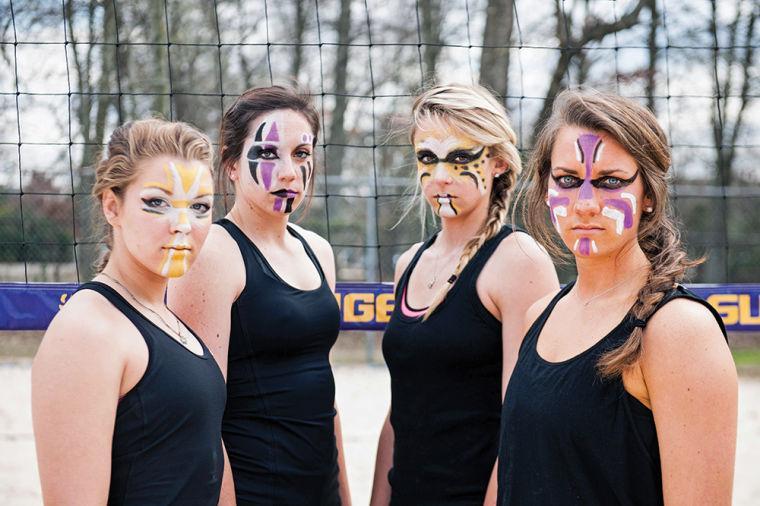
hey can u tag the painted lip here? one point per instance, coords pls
(178, 247)
(444, 196)
(285, 193)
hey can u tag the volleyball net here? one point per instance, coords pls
(71, 71)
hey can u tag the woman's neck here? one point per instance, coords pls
(256, 223)
(147, 286)
(629, 267)
(455, 232)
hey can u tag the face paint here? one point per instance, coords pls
(557, 206)
(585, 246)
(262, 155)
(267, 157)
(458, 164)
(188, 190)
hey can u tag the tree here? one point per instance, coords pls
(497, 35)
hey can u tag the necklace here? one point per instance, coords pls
(178, 332)
(435, 268)
(603, 292)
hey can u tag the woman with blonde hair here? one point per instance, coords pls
(460, 296)
(624, 391)
(127, 402)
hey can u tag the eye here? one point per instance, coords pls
(155, 203)
(567, 181)
(268, 154)
(427, 157)
(610, 183)
(462, 158)
(200, 207)
(302, 154)
(262, 153)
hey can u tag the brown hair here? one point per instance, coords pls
(239, 117)
(473, 110)
(134, 142)
(637, 130)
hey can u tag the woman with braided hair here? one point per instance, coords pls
(460, 297)
(624, 391)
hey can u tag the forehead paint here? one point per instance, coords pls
(588, 150)
(183, 185)
(307, 138)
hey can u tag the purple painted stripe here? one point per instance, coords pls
(273, 135)
(625, 207)
(584, 248)
(266, 173)
(277, 204)
(557, 201)
(588, 144)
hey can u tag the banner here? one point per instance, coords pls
(363, 306)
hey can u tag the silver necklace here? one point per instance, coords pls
(178, 332)
(436, 271)
(603, 292)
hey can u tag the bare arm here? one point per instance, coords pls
(381, 489)
(202, 298)
(691, 383)
(517, 275)
(76, 382)
(345, 492)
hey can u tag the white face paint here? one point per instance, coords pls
(182, 200)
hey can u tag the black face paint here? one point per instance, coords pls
(470, 174)
(253, 154)
(303, 175)
(259, 132)
(289, 205)
(468, 156)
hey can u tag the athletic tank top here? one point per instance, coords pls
(278, 426)
(167, 446)
(571, 437)
(445, 391)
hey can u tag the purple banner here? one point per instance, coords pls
(363, 306)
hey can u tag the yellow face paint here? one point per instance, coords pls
(182, 199)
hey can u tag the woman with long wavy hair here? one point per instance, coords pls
(460, 296)
(624, 391)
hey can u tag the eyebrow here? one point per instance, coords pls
(159, 186)
(601, 173)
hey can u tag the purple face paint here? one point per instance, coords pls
(267, 168)
(588, 150)
(584, 247)
(277, 204)
(273, 135)
(557, 205)
(619, 210)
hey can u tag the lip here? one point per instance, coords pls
(285, 193)
(178, 247)
(588, 229)
(444, 196)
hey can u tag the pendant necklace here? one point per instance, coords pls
(178, 332)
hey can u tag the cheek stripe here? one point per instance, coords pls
(253, 166)
(473, 176)
(624, 208)
(266, 174)
(277, 204)
(617, 216)
(631, 198)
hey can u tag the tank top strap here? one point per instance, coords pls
(309, 252)
(471, 271)
(252, 257)
(681, 292)
(120, 303)
(528, 343)
(404, 279)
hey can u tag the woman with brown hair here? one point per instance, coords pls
(127, 402)
(624, 391)
(261, 297)
(452, 338)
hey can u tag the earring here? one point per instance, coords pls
(497, 175)
(648, 209)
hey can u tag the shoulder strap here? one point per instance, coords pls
(309, 252)
(119, 303)
(681, 292)
(479, 260)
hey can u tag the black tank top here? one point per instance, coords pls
(278, 426)
(167, 446)
(445, 392)
(570, 437)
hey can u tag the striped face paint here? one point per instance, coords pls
(268, 155)
(450, 158)
(184, 200)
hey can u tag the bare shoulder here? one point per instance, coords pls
(535, 309)
(87, 325)
(403, 260)
(219, 260)
(518, 252)
(318, 243)
(684, 328)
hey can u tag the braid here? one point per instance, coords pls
(662, 246)
(497, 215)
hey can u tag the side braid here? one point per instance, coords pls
(662, 246)
(497, 215)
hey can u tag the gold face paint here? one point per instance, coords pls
(183, 199)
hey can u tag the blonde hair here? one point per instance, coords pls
(473, 111)
(134, 142)
(637, 130)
